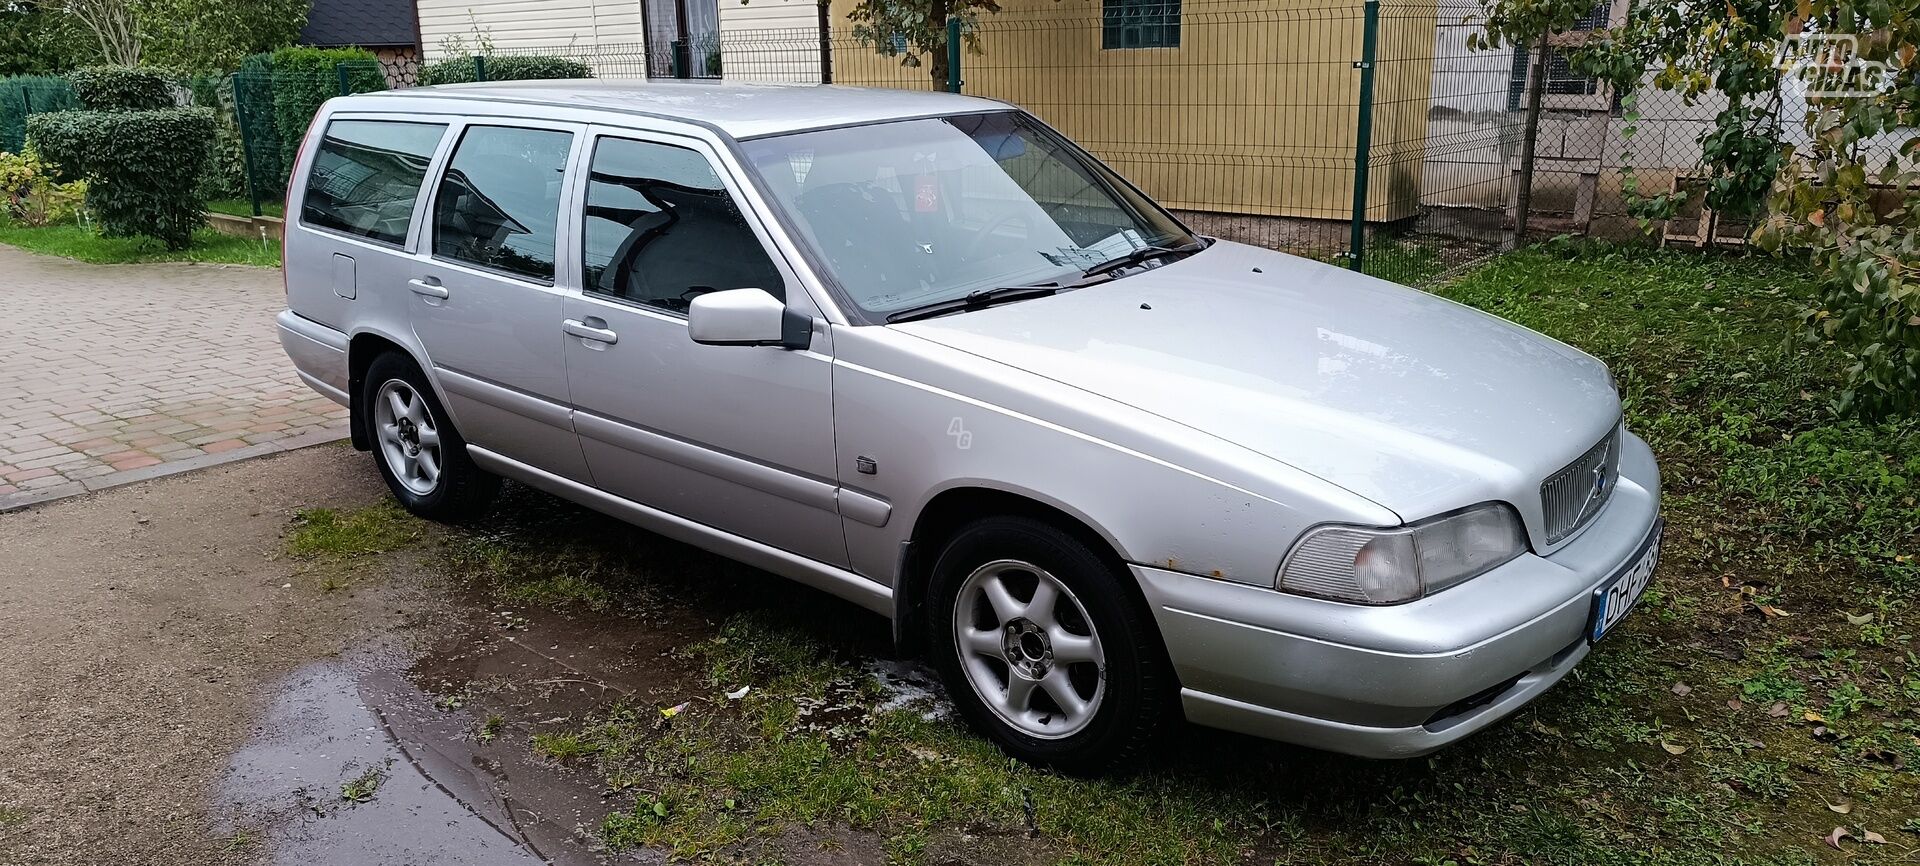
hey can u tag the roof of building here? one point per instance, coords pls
(360, 22)
(738, 110)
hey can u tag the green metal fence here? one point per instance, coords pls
(271, 108)
(25, 95)
(1358, 132)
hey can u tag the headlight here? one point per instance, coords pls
(1390, 566)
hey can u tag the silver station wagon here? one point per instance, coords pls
(924, 353)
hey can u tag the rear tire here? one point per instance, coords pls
(420, 454)
(1045, 650)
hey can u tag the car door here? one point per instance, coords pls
(487, 300)
(736, 437)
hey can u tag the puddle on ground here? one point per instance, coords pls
(444, 796)
(441, 798)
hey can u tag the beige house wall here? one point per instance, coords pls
(1255, 112)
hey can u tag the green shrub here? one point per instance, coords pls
(304, 78)
(29, 194)
(226, 175)
(142, 167)
(459, 70)
(122, 88)
(21, 95)
(253, 90)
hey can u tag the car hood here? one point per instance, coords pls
(1415, 402)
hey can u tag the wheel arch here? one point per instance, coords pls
(950, 509)
(362, 348)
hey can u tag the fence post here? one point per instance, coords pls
(826, 44)
(953, 56)
(26, 99)
(246, 144)
(1363, 135)
(340, 79)
(479, 67)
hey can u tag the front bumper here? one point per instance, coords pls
(1404, 680)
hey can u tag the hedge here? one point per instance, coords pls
(24, 94)
(122, 88)
(142, 167)
(226, 175)
(253, 86)
(459, 70)
(304, 78)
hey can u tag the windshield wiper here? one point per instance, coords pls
(973, 301)
(1142, 254)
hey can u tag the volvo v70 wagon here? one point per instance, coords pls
(922, 352)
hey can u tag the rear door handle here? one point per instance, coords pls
(428, 287)
(589, 330)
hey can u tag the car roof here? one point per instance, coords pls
(735, 109)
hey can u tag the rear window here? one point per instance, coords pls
(367, 175)
(499, 201)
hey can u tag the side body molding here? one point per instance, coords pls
(873, 596)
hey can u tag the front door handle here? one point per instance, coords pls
(590, 330)
(428, 287)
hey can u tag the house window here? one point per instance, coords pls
(1565, 88)
(1140, 24)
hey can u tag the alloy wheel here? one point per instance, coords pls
(1028, 649)
(409, 436)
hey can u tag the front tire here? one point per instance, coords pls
(420, 454)
(1045, 650)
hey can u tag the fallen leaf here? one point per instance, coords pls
(1838, 834)
(1862, 619)
(1734, 704)
(1812, 716)
(1682, 689)
(670, 712)
(1726, 581)
(1772, 611)
(1673, 748)
(1841, 808)
(1778, 710)
(1872, 838)
(739, 693)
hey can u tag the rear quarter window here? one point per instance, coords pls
(367, 175)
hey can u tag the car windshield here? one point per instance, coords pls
(917, 212)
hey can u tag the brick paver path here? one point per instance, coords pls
(111, 374)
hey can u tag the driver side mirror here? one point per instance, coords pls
(747, 317)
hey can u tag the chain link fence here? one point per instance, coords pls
(1361, 133)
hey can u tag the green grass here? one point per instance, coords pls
(80, 243)
(363, 787)
(529, 569)
(10, 816)
(564, 747)
(243, 207)
(328, 534)
(1772, 502)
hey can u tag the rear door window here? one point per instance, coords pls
(499, 202)
(661, 229)
(366, 177)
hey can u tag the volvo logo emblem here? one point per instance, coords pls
(1599, 483)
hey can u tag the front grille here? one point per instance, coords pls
(1572, 496)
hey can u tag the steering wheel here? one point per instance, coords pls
(972, 246)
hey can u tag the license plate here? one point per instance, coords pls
(1612, 602)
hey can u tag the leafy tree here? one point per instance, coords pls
(214, 35)
(110, 23)
(34, 39)
(913, 29)
(1817, 144)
